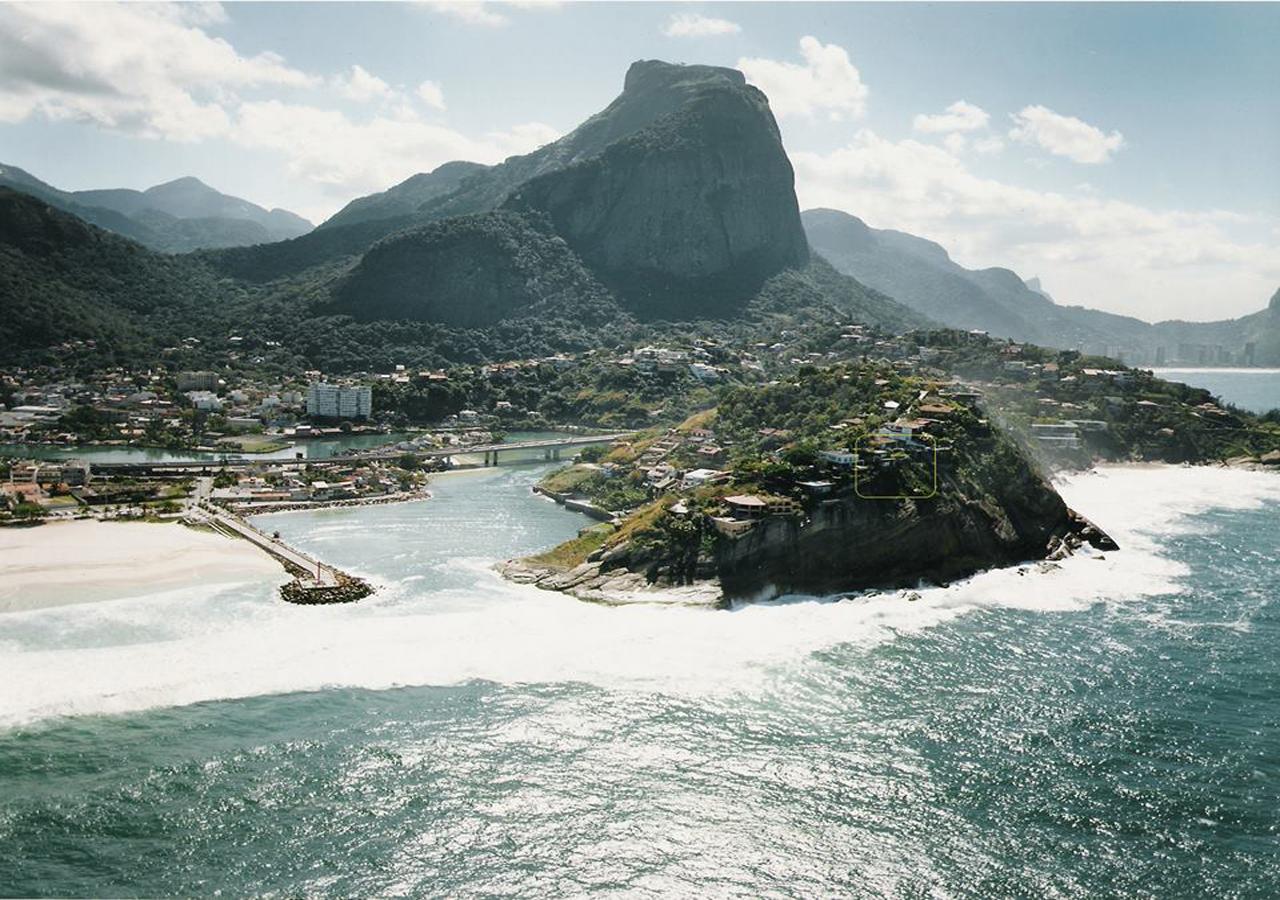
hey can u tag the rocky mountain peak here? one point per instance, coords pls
(647, 75)
(692, 209)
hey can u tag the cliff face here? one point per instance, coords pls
(693, 212)
(678, 198)
(852, 543)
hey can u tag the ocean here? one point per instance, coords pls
(1109, 726)
(1255, 390)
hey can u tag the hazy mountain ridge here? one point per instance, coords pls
(921, 274)
(405, 198)
(175, 217)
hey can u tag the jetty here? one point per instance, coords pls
(314, 582)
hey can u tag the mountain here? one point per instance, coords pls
(62, 279)
(698, 205)
(675, 204)
(472, 272)
(16, 179)
(678, 197)
(174, 217)
(407, 197)
(922, 275)
(693, 195)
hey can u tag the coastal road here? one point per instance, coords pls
(368, 455)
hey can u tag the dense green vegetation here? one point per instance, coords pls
(175, 217)
(473, 272)
(64, 280)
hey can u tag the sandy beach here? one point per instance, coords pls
(85, 561)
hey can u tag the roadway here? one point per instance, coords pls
(364, 456)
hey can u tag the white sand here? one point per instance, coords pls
(86, 561)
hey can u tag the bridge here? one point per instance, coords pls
(552, 448)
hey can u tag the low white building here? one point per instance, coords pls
(205, 400)
(701, 476)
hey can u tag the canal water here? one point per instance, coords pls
(1109, 727)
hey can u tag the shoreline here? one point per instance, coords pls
(351, 502)
(622, 587)
(87, 561)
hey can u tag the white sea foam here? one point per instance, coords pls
(484, 628)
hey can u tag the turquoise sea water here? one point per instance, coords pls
(1107, 728)
(1257, 390)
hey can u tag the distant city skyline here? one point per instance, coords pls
(1124, 154)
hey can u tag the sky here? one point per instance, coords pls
(1128, 155)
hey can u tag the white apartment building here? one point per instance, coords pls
(339, 401)
(205, 400)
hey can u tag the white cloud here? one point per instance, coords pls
(142, 69)
(959, 116)
(827, 80)
(430, 93)
(360, 85)
(1096, 251)
(348, 156)
(955, 142)
(989, 146)
(472, 12)
(1064, 135)
(698, 25)
(152, 71)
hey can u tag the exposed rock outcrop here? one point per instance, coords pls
(678, 197)
(695, 210)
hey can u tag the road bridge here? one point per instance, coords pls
(489, 452)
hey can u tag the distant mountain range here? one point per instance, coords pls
(922, 275)
(675, 204)
(174, 217)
